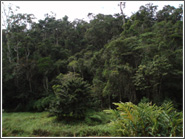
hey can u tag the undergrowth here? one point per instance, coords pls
(128, 120)
(44, 125)
(146, 120)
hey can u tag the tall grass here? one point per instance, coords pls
(41, 124)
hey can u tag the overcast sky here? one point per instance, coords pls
(80, 9)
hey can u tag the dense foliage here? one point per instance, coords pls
(147, 120)
(121, 62)
(72, 96)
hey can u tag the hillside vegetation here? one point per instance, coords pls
(76, 69)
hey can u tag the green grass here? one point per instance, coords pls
(27, 124)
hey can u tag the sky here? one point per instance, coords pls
(80, 9)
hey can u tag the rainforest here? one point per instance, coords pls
(114, 76)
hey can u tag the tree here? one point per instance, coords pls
(121, 8)
(149, 77)
(143, 57)
(72, 96)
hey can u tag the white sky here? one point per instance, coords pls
(80, 9)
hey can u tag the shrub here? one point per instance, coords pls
(94, 118)
(146, 120)
(43, 103)
(144, 100)
(72, 97)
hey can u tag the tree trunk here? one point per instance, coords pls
(27, 53)
(16, 49)
(9, 53)
(30, 85)
(45, 84)
(122, 4)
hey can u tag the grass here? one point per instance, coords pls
(27, 124)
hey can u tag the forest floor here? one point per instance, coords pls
(27, 124)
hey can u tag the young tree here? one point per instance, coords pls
(72, 96)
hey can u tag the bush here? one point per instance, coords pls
(94, 118)
(43, 103)
(144, 100)
(146, 120)
(72, 97)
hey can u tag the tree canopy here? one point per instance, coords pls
(120, 62)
